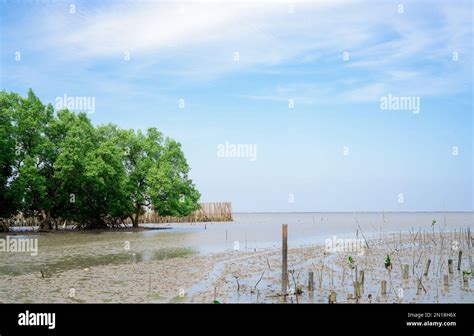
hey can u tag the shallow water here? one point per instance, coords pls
(263, 230)
(69, 250)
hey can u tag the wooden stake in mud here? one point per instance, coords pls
(284, 259)
(332, 297)
(450, 266)
(383, 287)
(459, 260)
(419, 287)
(469, 240)
(310, 281)
(446, 280)
(406, 269)
(361, 277)
(428, 262)
(356, 290)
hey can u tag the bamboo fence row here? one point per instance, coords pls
(208, 212)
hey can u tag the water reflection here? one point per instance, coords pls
(52, 265)
(69, 250)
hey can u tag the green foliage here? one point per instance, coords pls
(351, 261)
(29, 119)
(157, 173)
(58, 166)
(388, 260)
(7, 153)
(171, 191)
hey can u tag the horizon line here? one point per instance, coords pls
(416, 211)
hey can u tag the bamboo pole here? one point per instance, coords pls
(361, 277)
(446, 280)
(356, 290)
(428, 262)
(419, 286)
(332, 297)
(459, 260)
(284, 261)
(310, 281)
(406, 268)
(383, 287)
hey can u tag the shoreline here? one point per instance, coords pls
(34, 231)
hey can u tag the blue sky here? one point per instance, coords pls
(333, 60)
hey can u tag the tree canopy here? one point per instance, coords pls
(56, 166)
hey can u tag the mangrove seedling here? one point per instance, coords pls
(351, 261)
(388, 262)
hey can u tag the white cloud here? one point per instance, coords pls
(196, 41)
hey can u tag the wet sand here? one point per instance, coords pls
(255, 276)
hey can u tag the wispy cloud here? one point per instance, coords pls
(197, 41)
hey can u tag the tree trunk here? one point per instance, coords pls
(45, 224)
(136, 216)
